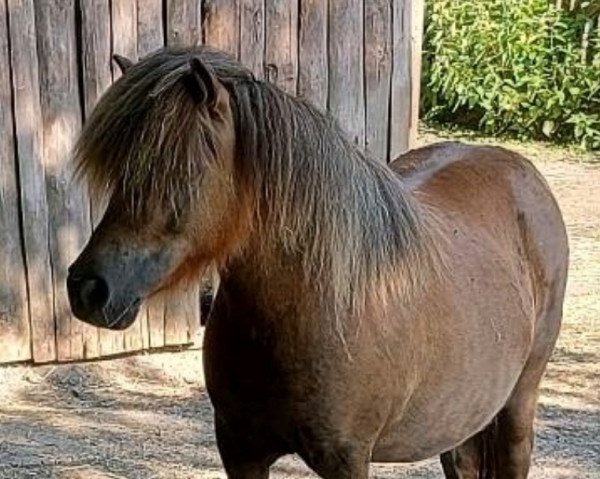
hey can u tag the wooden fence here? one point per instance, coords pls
(358, 58)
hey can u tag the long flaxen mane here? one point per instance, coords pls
(346, 215)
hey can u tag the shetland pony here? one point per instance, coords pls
(366, 312)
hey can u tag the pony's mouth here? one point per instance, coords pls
(124, 319)
(111, 316)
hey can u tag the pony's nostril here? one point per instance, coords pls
(93, 293)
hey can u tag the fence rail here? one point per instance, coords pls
(358, 58)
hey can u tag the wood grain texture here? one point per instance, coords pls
(417, 18)
(281, 44)
(378, 71)
(14, 314)
(221, 25)
(124, 42)
(346, 67)
(184, 22)
(400, 114)
(150, 37)
(61, 122)
(124, 31)
(182, 315)
(312, 52)
(95, 51)
(252, 35)
(149, 26)
(34, 208)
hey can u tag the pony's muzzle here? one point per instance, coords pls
(88, 295)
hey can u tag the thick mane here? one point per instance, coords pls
(316, 194)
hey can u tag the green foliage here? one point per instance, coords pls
(513, 66)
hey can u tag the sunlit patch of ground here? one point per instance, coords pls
(149, 417)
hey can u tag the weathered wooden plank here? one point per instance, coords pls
(221, 25)
(378, 71)
(95, 46)
(182, 315)
(312, 52)
(14, 315)
(184, 27)
(61, 122)
(150, 37)
(124, 42)
(34, 208)
(252, 35)
(124, 31)
(416, 53)
(149, 26)
(400, 114)
(346, 67)
(184, 22)
(281, 44)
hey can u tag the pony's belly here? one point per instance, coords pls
(444, 415)
(411, 443)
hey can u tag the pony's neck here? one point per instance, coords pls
(340, 220)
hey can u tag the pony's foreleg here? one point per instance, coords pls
(337, 462)
(243, 457)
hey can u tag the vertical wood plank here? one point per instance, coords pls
(222, 25)
(417, 16)
(34, 208)
(149, 26)
(252, 35)
(124, 31)
(312, 52)
(400, 114)
(182, 315)
(346, 67)
(150, 37)
(125, 42)
(181, 310)
(97, 77)
(14, 314)
(378, 70)
(61, 121)
(184, 22)
(95, 46)
(281, 44)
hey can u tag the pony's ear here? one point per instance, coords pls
(122, 62)
(205, 87)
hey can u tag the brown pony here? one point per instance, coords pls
(366, 312)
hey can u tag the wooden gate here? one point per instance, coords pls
(358, 58)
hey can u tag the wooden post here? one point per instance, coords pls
(252, 35)
(184, 22)
(346, 67)
(150, 37)
(281, 44)
(313, 74)
(401, 111)
(14, 314)
(61, 122)
(34, 208)
(124, 42)
(416, 54)
(222, 25)
(378, 71)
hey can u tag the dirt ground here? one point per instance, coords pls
(149, 416)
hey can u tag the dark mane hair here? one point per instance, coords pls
(315, 192)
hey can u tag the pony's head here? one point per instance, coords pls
(158, 146)
(200, 161)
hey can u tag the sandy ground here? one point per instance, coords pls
(149, 416)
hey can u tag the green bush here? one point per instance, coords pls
(513, 67)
